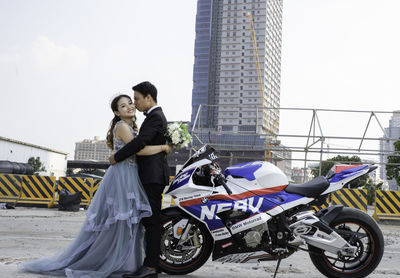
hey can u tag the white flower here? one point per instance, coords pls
(175, 137)
(178, 135)
(173, 126)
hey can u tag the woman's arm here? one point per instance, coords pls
(124, 133)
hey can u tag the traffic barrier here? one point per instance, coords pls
(387, 205)
(37, 191)
(75, 185)
(10, 188)
(95, 186)
(326, 203)
(354, 198)
(167, 201)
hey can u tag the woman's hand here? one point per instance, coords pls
(167, 148)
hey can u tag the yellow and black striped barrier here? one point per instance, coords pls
(354, 198)
(167, 200)
(75, 185)
(387, 205)
(325, 204)
(37, 190)
(10, 188)
(95, 186)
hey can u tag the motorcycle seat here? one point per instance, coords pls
(312, 188)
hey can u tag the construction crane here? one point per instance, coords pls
(256, 57)
(260, 81)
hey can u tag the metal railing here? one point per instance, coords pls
(310, 135)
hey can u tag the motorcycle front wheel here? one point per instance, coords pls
(189, 256)
(359, 230)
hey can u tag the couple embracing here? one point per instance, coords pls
(124, 216)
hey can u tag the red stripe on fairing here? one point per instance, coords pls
(240, 196)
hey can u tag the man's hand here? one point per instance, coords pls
(168, 149)
(112, 160)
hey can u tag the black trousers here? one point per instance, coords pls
(153, 224)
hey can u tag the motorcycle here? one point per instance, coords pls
(251, 213)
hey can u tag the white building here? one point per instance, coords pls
(55, 162)
(95, 149)
(282, 157)
(393, 132)
(298, 175)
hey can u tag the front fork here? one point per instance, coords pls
(181, 234)
(314, 229)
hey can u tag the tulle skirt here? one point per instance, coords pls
(110, 243)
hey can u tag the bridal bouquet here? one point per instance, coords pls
(178, 135)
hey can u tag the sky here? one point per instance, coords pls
(61, 62)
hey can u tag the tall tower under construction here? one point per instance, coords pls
(236, 75)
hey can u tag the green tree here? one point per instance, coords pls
(341, 159)
(371, 188)
(36, 164)
(393, 171)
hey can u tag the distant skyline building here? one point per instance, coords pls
(299, 177)
(95, 149)
(393, 132)
(225, 69)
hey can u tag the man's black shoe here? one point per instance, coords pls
(142, 273)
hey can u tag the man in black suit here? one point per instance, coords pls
(153, 170)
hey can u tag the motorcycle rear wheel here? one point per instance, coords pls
(360, 230)
(179, 262)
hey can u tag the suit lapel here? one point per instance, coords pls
(148, 117)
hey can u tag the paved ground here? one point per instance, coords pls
(27, 233)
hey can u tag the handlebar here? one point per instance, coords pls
(219, 177)
(221, 180)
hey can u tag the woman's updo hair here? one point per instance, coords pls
(114, 108)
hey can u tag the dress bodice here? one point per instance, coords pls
(118, 144)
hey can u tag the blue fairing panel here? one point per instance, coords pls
(244, 170)
(180, 180)
(346, 173)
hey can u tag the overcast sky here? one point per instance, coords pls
(61, 62)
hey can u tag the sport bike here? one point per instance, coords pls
(251, 213)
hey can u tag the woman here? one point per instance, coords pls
(110, 242)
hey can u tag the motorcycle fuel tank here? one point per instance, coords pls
(259, 174)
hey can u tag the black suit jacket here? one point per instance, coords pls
(152, 168)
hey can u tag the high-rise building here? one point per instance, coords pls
(236, 80)
(386, 146)
(95, 149)
(238, 88)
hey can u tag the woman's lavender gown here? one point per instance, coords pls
(111, 240)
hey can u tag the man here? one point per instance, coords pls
(153, 170)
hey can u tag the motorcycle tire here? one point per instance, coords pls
(360, 230)
(178, 262)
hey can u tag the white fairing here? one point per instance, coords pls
(334, 186)
(266, 176)
(270, 176)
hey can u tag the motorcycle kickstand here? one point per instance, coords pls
(277, 266)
